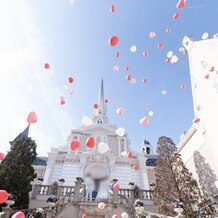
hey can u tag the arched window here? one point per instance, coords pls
(100, 120)
(148, 150)
(54, 188)
(122, 145)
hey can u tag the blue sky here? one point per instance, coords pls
(72, 36)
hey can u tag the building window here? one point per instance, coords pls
(148, 150)
(122, 145)
(100, 121)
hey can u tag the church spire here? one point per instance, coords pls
(102, 107)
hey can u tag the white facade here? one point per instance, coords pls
(67, 164)
(202, 136)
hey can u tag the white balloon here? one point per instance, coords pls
(133, 80)
(181, 49)
(120, 131)
(150, 113)
(87, 121)
(205, 36)
(103, 147)
(124, 153)
(164, 92)
(174, 59)
(133, 48)
(169, 54)
(124, 215)
(65, 87)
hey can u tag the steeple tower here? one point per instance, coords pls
(100, 114)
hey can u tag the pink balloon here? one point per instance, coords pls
(168, 30)
(47, 66)
(160, 45)
(115, 216)
(18, 215)
(112, 9)
(113, 40)
(116, 68)
(129, 154)
(129, 77)
(181, 4)
(120, 111)
(167, 60)
(144, 80)
(207, 76)
(62, 102)
(176, 15)
(124, 215)
(152, 34)
(3, 196)
(84, 216)
(136, 167)
(196, 120)
(133, 80)
(212, 69)
(2, 156)
(116, 186)
(144, 121)
(70, 80)
(126, 68)
(117, 54)
(183, 86)
(145, 53)
(32, 117)
(101, 205)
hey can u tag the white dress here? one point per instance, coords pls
(103, 191)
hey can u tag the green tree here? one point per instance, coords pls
(174, 182)
(16, 171)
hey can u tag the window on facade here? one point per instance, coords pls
(122, 145)
(148, 150)
(100, 121)
(75, 138)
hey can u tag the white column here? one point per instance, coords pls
(119, 151)
(143, 172)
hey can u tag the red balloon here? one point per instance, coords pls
(145, 53)
(2, 156)
(105, 101)
(47, 66)
(95, 106)
(116, 186)
(3, 196)
(19, 215)
(129, 154)
(75, 144)
(32, 117)
(129, 77)
(90, 142)
(196, 120)
(212, 69)
(113, 40)
(112, 9)
(144, 80)
(117, 54)
(136, 167)
(70, 80)
(167, 60)
(176, 16)
(207, 76)
(168, 30)
(160, 45)
(181, 4)
(84, 216)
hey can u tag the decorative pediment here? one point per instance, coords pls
(98, 158)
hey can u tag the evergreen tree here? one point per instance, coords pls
(206, 175)
(174, 182)
(16, 171)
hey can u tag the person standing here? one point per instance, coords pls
(89, 187)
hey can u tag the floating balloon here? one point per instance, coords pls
(116, 186)
(120, 111)
(136, 167)
(145, 53)
(32, 117)
(144, 80)
(176, 16)
(129, 154)
(75, 144)
(212, 69)
(95, 106)
(133, 48)
(152, 34)
(205, 36)
(62, 102)
(168, 30)
(116, 68)
(164, 92)
(47, 66)
(90, 142)
(3, 196)
(2, 156)
(129, 77)
(120, 131)
(124, 215)
(72, 91)
(70, 80)
(124, 153)
(174, 59)
(207, 76)
(112, 9)
(198, 107)
(160, 45)
(65, 87)
(126, 68)
(86, 121)
(133, 80)
(113, 40)
(215, 36)
(150, 113)
(144, 121)
(170, 54)
(84, 216)
(105, 101)
(167, 60)
(19, 215)
(103, 147)
(181, 4)
(196, 120)
(181, 49)
(115, 216)
(101, 205)
(117, 54)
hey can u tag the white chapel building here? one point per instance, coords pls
(63, 163)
